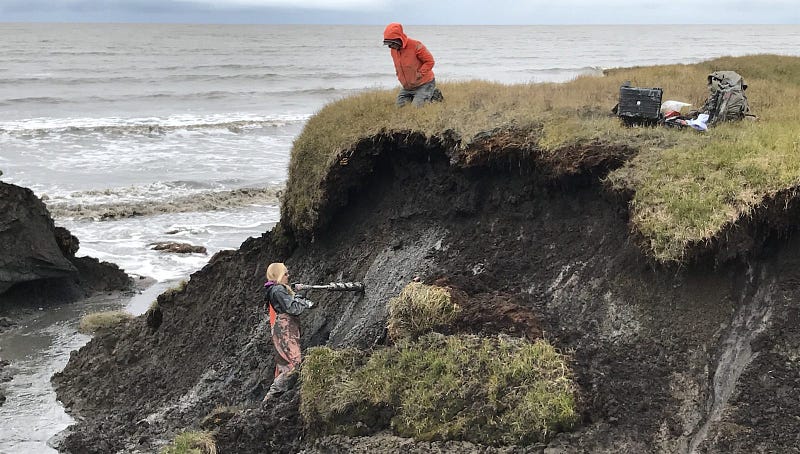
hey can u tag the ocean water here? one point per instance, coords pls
(135, 134)
(167, 122)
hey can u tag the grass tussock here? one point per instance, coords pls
(176, 289)
(92, 323)
(687, 186)
(170, 293)
(192, 443)
(497, 391)
(420, 309)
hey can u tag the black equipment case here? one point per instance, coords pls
(639, 105)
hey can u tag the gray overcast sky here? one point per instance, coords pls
(408, 11)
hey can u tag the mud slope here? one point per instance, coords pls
(698, 359)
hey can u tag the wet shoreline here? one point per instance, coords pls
(36, 346)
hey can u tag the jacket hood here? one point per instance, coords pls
(269, 284)
(395, 31)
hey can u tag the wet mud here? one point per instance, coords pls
(701, 358)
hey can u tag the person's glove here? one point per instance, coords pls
(307, 302)
(300, 290)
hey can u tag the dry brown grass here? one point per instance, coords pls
(420, 309)
(92, 323)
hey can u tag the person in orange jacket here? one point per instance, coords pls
(413, 64)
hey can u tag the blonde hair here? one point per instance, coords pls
(275, 271)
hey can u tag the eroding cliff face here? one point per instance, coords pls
(37, 260)
(701, 358)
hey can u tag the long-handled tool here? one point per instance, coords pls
(333, 286)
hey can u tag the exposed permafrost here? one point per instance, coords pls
(735, 354)
(199, 393)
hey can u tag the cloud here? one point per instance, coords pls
(429, 12)
(335, 5)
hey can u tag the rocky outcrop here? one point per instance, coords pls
(701, 358)
(38, 263)
(28, 240)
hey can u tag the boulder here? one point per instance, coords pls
(38, 265)
(28, 240)
(178, 248)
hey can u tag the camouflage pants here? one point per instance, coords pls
(286, 338)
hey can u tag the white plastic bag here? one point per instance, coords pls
(666, 106)
(699, 123)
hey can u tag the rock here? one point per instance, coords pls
(28, 240)
(97, 276)
(38, 266)
(67, 242)
(178, 248)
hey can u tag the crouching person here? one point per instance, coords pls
(413, 64)
(284, 308)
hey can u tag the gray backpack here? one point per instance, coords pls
(726, 99)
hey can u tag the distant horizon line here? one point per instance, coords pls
(383, 24)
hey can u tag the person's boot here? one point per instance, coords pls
(281, 384)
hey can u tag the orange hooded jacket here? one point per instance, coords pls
(412, 62)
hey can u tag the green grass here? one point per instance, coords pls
(497, 391)
(686, 186)
(420, 309)
(92, 323)
(192, 443)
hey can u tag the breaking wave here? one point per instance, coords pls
(104, 208)
(146, 126)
